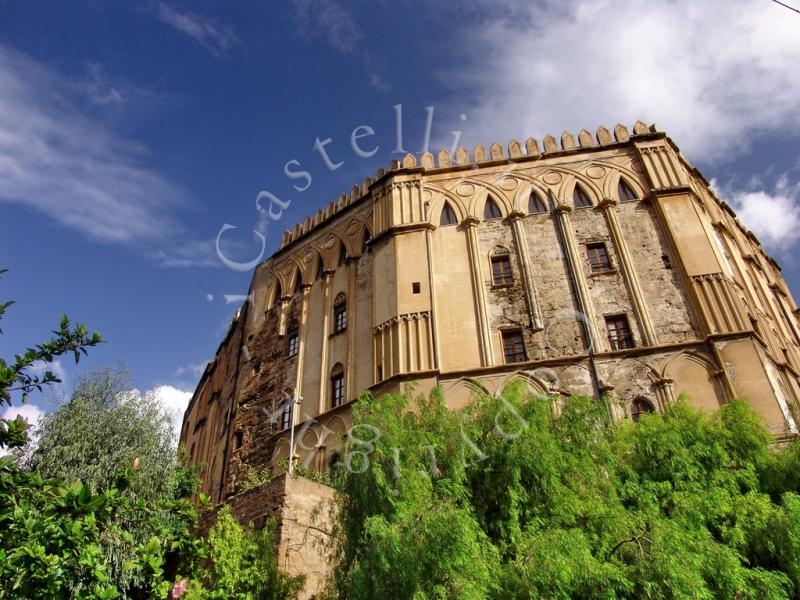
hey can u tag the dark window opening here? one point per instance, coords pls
(293, 342)
(501, 270)
(298, 284)
(379, 373)
(238, 440)
(491, 210)
(513, 346)
(320, 268)
(639, 407)
(536, 205)
(337, 390)
(415, 287)
(580, 198)
(286, 416)
(598, 257)
(448, 216)
(340, 317)
(342, 256)
(619, 332)
(625, 192)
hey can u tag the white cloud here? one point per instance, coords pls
(78, 171)
(213, 36)
(713, 74)
(174, 401)
(773, 215)
(55, 160)
(330, 20)
(30, 412)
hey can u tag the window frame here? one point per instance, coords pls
(600, 250)
(516, 353)
(637, 411)
(620, 334)
(292, 342)
(337, 389)
(340, 316)
(504, 277)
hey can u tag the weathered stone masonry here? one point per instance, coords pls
(601, 235)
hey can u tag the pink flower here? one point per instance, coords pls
(178, 589)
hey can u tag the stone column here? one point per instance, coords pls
(576, 273)
(665, 391)
(608, 206)
(351, 327)
(484, 337)
(525, 265)
(327, 277)
(301, 347)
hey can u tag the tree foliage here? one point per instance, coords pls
(505, 500)
(241, 565)
(117, 531)
(101, 429)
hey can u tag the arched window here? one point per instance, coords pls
(276, 296)
(298, 283)
(536, 205)
(639, 407)
(320, 269)
(491, 210)
(342, 255)
(339, 313)
(625, 191)
(448, 216)
(337, 385)
(580, 199)
(367, 238)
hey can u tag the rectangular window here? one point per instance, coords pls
(286, 417)
(293, 343)
(513, 347)
(337, 390)
(619, 332)
(598, 257)
(339, 318)
(501, 270)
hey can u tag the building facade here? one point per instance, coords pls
(599, 265)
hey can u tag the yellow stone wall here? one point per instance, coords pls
(710, 314)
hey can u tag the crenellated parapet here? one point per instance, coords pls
(463, 157)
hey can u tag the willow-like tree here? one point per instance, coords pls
(505, 500)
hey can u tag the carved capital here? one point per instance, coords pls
(607, 203)
(563, 208)
(515, 215)
(470, 222)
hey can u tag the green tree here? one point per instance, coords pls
(505, 500)
(241, 565)
(100, 430)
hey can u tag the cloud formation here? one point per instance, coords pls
(174, 402)
(212, 35)
(772, 214)
(329, 20)
(714, 74)
(78, 171)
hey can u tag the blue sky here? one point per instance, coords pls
(130, 133)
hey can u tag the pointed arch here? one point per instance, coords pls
(276, 295)
(491, 210)
(298, 281)
(462, 391)
(532, 384)
(342, 260)
(448, 215)
(536, 204)
(320, 268)
(625, 192)
(580, 197)
(641, 406)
